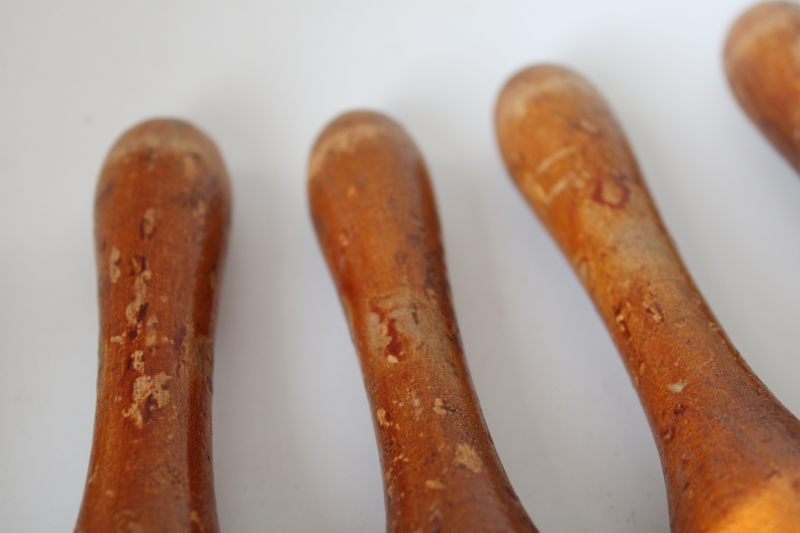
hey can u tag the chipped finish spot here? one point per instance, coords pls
(196, 351)
(190, 167)
(113, 264)
(135, 527)
(435, 516)
(611, 192)
(144, 388)
(620, 318)
(653, 310)
(582, 269)
(381, 414)
(639, 374)
(148, 223)
(195, 518)
(621, 312)
(393, 321)
(677, 387)
(416, 404)
(526, 95)
(570, 179)
(200, 209)
(394, 346)
(437, 407)
(547, 162)
(152, 326)
(467, 456)
(133, 310)
(434, 484)
(138, 362)
(589, 126)
(341, 141)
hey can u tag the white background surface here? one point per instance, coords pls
(293, 443)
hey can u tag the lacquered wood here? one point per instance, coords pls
(762, 60)
(729, 450)
(162, 213)
(374, 212)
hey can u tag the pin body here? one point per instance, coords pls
(729, 450)
(161, 222)
(374, 212)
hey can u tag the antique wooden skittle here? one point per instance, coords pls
(373, 209)
(762, 59)
(162, 212)
(729, 450)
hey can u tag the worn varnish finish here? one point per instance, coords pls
(762, 59)
(729, 450)
(161, 221)
(375, 217)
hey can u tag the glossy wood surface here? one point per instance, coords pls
(730, 451)
(162, 213)
(762, 60)
(374, 213)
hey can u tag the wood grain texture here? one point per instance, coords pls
(374, 212)
(730, 451)
(162, 213)
(762, 60)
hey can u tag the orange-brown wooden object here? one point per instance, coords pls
(375, 217)
(729, 450)
(762, 59)
(161, 221)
